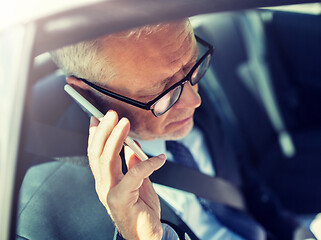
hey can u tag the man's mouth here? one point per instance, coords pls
(183, 121)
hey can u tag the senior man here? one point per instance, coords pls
(149, 65)
(146, 81)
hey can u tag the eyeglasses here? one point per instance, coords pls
(169, 97)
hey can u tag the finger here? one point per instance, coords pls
(133, 179)
(111, 162)
(94, 122)
(92, 128)
(147, 190)
(116, 139)
(102, 132)
(130, 157)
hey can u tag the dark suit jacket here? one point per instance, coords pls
(58, 199)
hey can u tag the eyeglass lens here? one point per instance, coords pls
(168, 100)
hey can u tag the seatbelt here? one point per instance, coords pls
(190, 180)
(48, 141)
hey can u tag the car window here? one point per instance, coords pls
(225, 56)
(11, 97)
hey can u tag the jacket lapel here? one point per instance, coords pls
(207, 118)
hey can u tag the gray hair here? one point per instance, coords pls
(77, 59)
(82, 59)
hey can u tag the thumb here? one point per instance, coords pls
(134, 178)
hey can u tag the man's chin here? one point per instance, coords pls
(180, 133)
(172, 136)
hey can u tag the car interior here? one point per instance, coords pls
(265, 73)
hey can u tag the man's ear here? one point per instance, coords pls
(87, 92)
(74, 82)
(79, 86)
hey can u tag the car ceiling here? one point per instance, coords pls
(112, 16)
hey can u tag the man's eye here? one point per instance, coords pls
(148, 97)
(187, 69)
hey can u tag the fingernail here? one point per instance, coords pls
(123, 121)
(162, 156)
(110, 114)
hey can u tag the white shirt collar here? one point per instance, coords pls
(195, 142)
(155, 147)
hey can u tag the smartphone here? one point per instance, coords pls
(93, 111)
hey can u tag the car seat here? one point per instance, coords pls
(278, 128)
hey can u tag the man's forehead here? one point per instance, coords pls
(145, 36)
(158, 54)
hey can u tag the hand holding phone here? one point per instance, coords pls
(92, 110)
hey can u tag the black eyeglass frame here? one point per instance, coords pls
(148, 105)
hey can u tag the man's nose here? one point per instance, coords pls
(189, 97)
